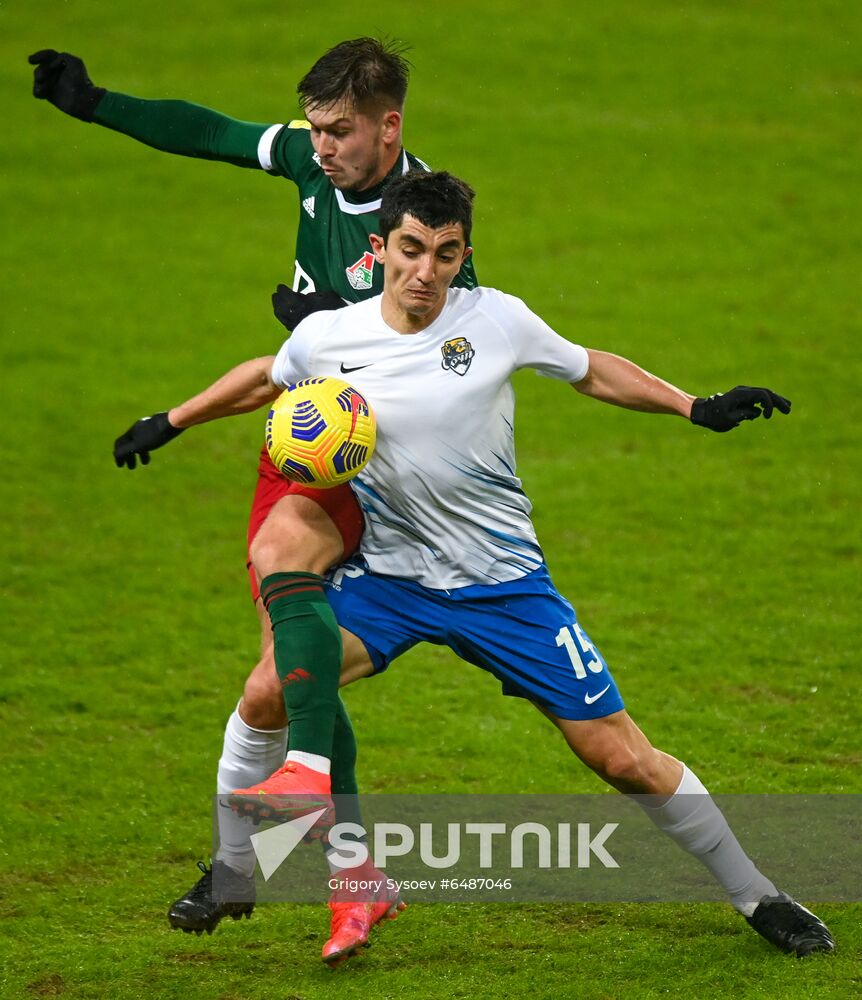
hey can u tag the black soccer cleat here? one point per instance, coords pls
(198, 911)
(790, 927)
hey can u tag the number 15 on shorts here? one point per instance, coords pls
(582, 653)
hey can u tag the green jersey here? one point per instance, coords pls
(333, 252)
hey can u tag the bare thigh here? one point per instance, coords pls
(297, 536)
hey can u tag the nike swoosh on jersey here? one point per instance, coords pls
(347, 371)
(590, 698)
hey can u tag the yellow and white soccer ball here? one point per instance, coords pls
(320, 432)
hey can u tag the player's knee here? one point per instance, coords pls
(629, 771)
(262, 705)
(618, 766)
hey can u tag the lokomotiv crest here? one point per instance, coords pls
(361, 274)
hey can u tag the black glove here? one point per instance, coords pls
(291, 307)
(726, 410)
(142, 437)
(61, 78)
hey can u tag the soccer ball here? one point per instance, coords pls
(320, 432)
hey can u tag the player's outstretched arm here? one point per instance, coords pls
(616, 380)
(243, 389)
(61, 78)
(612, 379)
(171, 126)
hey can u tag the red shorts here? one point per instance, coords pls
(339, 503)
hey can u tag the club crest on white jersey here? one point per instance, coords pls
(458, 355)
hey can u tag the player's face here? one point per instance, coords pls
(421, 263)
(356, 150)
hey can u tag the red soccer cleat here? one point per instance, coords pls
(294, 790)
(355, 913)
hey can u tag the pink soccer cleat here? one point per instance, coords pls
(354, 913)
(294, 790)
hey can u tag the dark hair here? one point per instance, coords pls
(366, 73)
(435, 199)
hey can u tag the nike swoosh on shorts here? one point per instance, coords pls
(590, 698)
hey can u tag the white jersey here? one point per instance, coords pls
(441, 500)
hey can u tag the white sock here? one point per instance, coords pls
(694, 821)
(249, 755)
(313, 760)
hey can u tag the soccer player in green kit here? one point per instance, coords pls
(340, 156)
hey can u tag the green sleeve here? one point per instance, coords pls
(182, 128)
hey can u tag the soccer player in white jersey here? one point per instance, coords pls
(449, 554)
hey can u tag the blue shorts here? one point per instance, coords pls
(523, 632)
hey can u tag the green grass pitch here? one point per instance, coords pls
(678, 183)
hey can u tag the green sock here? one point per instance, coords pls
(344, 759)
(344, 786)
(307, 657)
